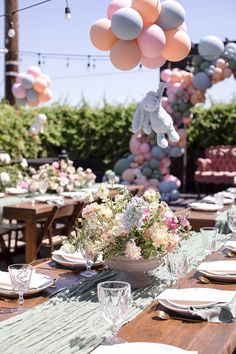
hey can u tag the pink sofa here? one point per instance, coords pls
(219, 166)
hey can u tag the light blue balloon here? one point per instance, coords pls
(165, 187)
(201, 81)
(174, 195)
(165, 197)
(147, 171)
(172, 15)
(127, 24)
(231, 47)
(21, 101)
(32, 95)
(157, 152)
(27, 81)
(131, 158)
(211, 48)
(120, 166)
(176, 151)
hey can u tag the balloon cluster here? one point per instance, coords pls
(37, 126)
(142, 31)
(214, 63)
(32, 87)
(148, 165)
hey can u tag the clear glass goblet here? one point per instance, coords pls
(114, 298)
(43, 186)
(231, 218)
(209, 235)
(219, 200)
(88, 273)
(20, 275)
(232, 192)
(177, 265)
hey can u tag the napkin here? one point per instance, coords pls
(37, 280)
(75, 195)
(197, 294)
(231, 245)
(75, 257)
(222, 267)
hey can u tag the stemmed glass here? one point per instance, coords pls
(177, 265)
(20, 275)
(219, 199)
(43, 186)
(209, 235)
(114, 298)
(232, 192)
(88, 273)
(231, 218)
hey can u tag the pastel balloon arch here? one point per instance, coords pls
(145, 32)
(215, 62)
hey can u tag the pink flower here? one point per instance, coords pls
(146, 213)
(173, 242)
(55, 165)
(184, 222)
(171, 223)
(132, 251)
(89, 210)
(23, 185)
(61, 174)
(35, 177)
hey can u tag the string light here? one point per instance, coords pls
(67, 12)
(11, 32)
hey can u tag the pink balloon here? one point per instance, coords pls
(167, 178)
(154, 182)
(129, 175)
(18, 90)
(187, 120)
(117, 5)
(148, 156)
(164, 169)
(153, 63)
(166, 74)
(134, 145)
(35, 71)
(144, 148)
(19, 77)
(152, 41)
(165, 162)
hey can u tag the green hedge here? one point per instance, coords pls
(84, 132)
(102, 133)
(213, 126)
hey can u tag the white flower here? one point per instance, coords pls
(24, 163)
(5, 177)
(103, 192)
(5, 158)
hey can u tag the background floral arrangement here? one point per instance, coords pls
(60, 176)
(10, 173)
(136, 227)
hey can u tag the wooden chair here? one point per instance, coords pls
(6, 246)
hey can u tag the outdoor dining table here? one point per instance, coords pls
(61, 324)
(30, 214)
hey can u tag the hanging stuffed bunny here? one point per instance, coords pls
(150, 115)
(38, 125)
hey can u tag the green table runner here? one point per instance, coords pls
(72, 322)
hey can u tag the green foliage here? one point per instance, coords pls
(83, 131)
(213, 126)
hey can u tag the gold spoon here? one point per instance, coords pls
(164, 316)
(206, 280)
(231, 254)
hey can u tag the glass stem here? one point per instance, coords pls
(114, 329)
(89, 266)
(234, 235)
(21, 298)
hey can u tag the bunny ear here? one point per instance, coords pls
(138, 119)
(147, 125)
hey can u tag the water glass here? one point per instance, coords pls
(20, 275)
(177, 264)
(88, 273)
(219, 199)
(43, 186)
(209, 235)
(114, 298)
(232, 192)
(231, 218)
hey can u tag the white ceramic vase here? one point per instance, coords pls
(133, 271)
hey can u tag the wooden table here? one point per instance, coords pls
(199, 219)
(30, 214)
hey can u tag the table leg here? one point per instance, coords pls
(30, 240)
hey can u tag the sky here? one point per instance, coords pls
(44, 30)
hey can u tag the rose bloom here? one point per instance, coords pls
(158, 234)
(184, 222)
(55, 165)
(132, 251)
(90, 210)
(172, 242)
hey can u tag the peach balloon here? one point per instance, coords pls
(33, 103)
(178, 45)
(227, 72)
(218, 74)
(176, 76)
(151, 41)
(183, 27)
(125, 55)
(220, 63)
(153, 63)
(129, 175)
(194, 99)
(40, 84)
(46, 95)
(134, 165)
(149, 10)
(166, 74)
(101, 34)
(116, 5)
(148, 156)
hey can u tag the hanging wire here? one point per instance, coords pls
(24, 8)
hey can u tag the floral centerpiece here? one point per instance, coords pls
(60, 176)
(139, 228)
(11, 172)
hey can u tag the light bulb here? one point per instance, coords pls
(11, 33)
(67, 14)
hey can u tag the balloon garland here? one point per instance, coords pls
(214, 63)
(32, 87)
(142, 31)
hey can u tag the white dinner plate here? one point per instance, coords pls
(219, 276)
(183, 311)
(211, 199)
(16, 191)
(204, 206)
(32, 291)
(138, 348)
(48, 198)
(66, 263)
